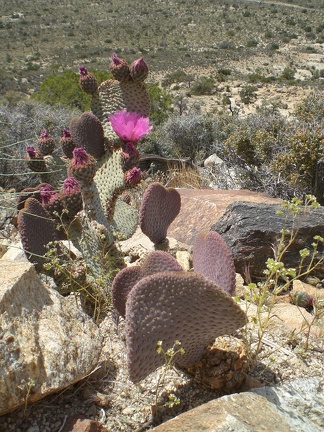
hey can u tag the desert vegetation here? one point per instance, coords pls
(237, 80)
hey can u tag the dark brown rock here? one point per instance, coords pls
(251, 230)
(201, 208)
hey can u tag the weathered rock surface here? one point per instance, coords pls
(46, 341)
(294, 407)
(200, 208)
(79, 423)
(252, 229)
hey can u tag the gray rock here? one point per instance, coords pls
(252, 229)
(294, 407)
(301, 402)
(46, 341)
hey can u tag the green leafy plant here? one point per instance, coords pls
(169, 356)
(278, 278)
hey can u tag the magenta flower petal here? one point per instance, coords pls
(130, 126)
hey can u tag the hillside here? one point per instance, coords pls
(244, 36)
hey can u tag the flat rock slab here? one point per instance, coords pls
(201, 208)
(46, 341)
(295, 407)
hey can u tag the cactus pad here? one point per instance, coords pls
(185, 307)
(87, 132)
(127, 278)
(37, 229)
(159, 208)
(212, 258)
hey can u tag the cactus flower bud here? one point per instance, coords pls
(133, 176)
(31, 152)
(130, 151)
(47, 194)
(87, 81)
(70, 186)
(139, 70)
(119, 68)
(82, 165)
(67, 143)
(45, 143)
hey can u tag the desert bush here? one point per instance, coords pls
(203, 86)
(297, 162)
(187, 136)
(176, 77)
(161, 103)
(247, 94)
(249, 146)
(311, 109)
(288, 73)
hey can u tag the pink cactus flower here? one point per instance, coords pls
(31, 152)
(80, 156)
(130, 126)
(47, 194)
(133, 176)
(70, 186)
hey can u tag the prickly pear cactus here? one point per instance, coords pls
(160, 206)
(185, 307)
(127, 278)
(51, 168)
(213, 259)
(37, 229)
(100, 152)
(126, 92)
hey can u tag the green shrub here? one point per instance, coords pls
(288, 74)
(297, 163)
(247, 94)
(311, 109)
(64, 90)
(161, 103)
(203, 86)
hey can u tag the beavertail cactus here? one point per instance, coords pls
(100, 149)
(126, 92)
(37, 229)
(159, 208)
(212, 258)
(170, 306)
(126, 279)
(87, 132)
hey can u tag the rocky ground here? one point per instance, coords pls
(110, 398)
